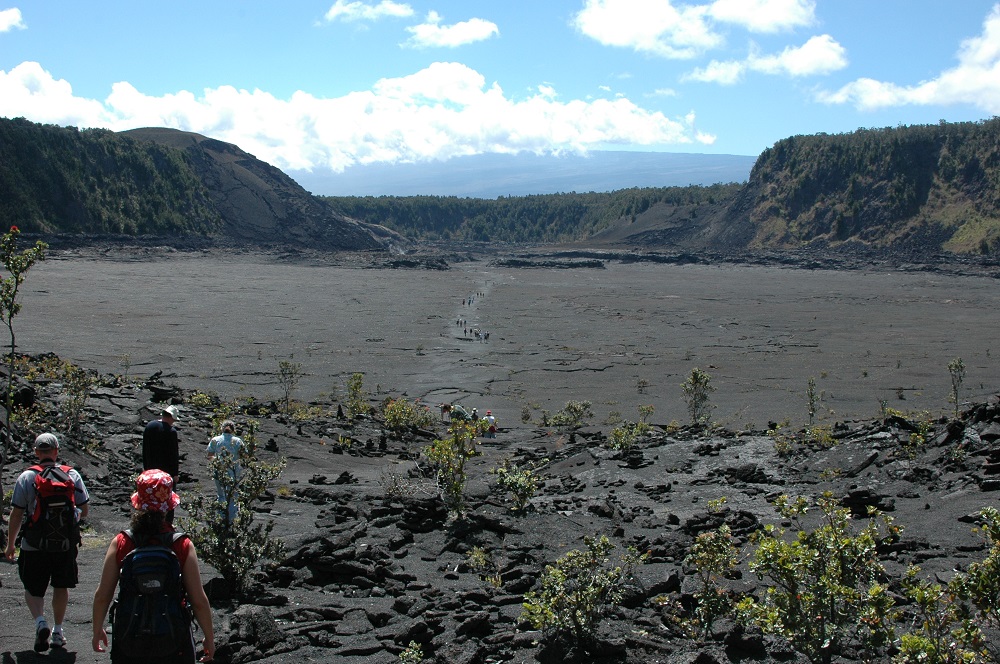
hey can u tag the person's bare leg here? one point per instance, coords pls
(60, 600)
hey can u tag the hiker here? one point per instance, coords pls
(231, 444)
(153, 499)
(51, 499)
(160, 445)
(491, 424)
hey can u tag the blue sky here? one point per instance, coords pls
(337, 83)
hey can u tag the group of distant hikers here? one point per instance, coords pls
(456, 413)
(153, 567)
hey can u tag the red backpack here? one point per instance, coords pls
(52, 526)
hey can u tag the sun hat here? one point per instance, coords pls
(46, 441)
(154, 492)
(172, 411)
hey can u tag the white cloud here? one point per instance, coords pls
(723, 73)
(819, 55)
(765, 15)
(10, 19)
(650, 26)
(28, 90)
(431, 33)
(346, 10)
(679, 30)
(975, 80)
(444, 110)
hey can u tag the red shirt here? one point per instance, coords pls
(124, 545)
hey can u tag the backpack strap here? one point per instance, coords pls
(167, 539)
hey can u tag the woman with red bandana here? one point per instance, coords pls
(153, 499)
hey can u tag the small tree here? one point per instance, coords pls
(234, 547)
(356, 404)
(956, 368)
(811, 399)
(697, 390)
(289, 374)
(712, 555)
(16, 264)
(448, 456)
(578, 589)
(77, 382)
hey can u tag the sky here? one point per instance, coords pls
(333, 84)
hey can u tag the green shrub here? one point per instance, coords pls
(824, 591)
(943, 630)
(412, 654)
(626, 435)
(234, 547)
(578, 589)
(482, 562)
(401, 414)
(520, 482)
(981, 584)
(572, 415)
(202, 399)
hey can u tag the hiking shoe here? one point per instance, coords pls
(58, 640)
(42, 638)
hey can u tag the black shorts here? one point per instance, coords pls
(40, 569)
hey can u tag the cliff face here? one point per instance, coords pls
(920, 189)
(934, 187)
(260, 204)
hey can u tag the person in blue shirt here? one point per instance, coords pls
(229, 444)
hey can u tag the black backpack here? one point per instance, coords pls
(151, 618)
(52, 526)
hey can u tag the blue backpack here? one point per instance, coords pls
(151, 618)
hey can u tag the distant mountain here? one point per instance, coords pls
(493, 175)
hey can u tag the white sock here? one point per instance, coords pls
(57, 629)
(39, 621)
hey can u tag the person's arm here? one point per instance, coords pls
(104, 595)
(13, 528)
(191, 576)
(82, 496)
(175, 456)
